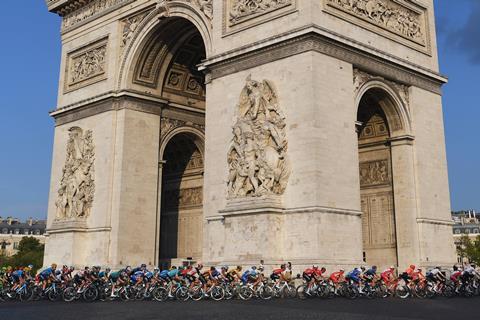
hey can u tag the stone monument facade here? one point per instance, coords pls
(229, 131)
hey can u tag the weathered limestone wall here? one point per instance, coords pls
(88, 244)
(431, 179)
(322, 198)
(135, 188)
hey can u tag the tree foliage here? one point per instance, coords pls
(30, 251)
(470, 249)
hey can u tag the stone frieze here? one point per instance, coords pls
(240, 10)
(391, 15)
(86, 65)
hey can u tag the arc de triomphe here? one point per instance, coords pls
(230, 131)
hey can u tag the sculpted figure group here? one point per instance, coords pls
(257, 158)
(75, 194)
(384, 13)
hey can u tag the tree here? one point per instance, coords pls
(470, 249)
(30, 251)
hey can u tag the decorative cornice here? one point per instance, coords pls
(118, 100)
(89, 11)
(318, 39)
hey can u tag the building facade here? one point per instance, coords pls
(467, 223)
(12, 232)
(230, 131)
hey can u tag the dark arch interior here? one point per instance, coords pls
(376, 180)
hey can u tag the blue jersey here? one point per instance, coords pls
(18, 273)
(164, 274)
(47, 272)
(173, 273)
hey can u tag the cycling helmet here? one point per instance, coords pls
(156, 269)
(362, 268)
(374, 267)
(412, 266)
(143, 265)
(107, 269)
(260, 268)
(30, 266)
(254, 267)
(342, 270)
(239, 268)
(72, 268)
(54, 266)
(392, 268)
(323, 269)
(224, 268)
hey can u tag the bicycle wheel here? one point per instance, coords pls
(402, 292)
(351, 292)
(229, 292)
(265, 292)
(197, 293)
(182, 294)
(54, 295)
(245, 293)
(217, 293)
(69, 294)
(90, 294)
(26, 294)
(160, 294)
(381, 291)
(302, 292)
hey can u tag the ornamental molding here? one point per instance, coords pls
(168, 125)
(130, 26)
(402, 71)
(77, 185)
(239, 15)
(360, 78)
(90, 11)
(86, 65)
(257, 159)
(403, 21)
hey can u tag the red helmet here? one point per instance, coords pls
(412, 266)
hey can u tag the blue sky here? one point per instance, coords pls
(29, 67)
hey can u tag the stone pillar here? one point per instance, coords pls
(161, 163)
(405, 201)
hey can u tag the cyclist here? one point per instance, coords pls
(388, 276)
(407, 275)
(47, 275)
(18, 278)
(235, 274)
(278, 274)
(354, 277)
(436, 276)
(118, 279)
(250, 275)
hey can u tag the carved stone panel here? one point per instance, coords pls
(129, 27)
(90, 11)
(257, 159)
(77, 186)
(241, 14)
(374, 173)
(86, 65)
(401, 20)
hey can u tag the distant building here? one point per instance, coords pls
(466, 223)
(12, 231)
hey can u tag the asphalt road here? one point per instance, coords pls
(336, 309)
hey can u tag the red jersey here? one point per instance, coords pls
(278, 271)
(335, 277)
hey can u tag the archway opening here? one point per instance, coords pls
(181, 230)
(376, 182)
(166, 66)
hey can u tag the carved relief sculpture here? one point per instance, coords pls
(86, 65)
(387, 14)
(206, 6)
(93, 9)
(130, 25)
(257, 159)
(77, 187)
(244, 9)
(374, 173)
